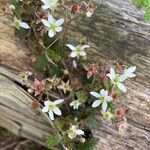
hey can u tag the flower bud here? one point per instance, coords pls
(82, 140)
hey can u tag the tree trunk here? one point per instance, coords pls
(115, 31)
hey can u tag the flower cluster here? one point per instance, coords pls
(63, 99)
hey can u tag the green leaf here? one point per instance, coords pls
(81, 96)
(147, 14)
(54, 55)
(93, 124)
(88, 145)
(51, 142)
(59, 123)
(107, 84)
(41, 62)
(55, 70)
(90, 111)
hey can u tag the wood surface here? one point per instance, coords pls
(117, 30)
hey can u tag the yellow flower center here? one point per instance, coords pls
(51, 106)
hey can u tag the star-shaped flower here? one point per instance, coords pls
(74, 131)
(117, 79)
(92, 70)
(50, 4)
(53, 26)
(77, 50)
(107, 115)
(129, 73)
(20, 24)
(102, 98)
(51, 108)
(64, 86)
(75, 104)
(38, 86)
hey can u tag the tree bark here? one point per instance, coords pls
(116, 31)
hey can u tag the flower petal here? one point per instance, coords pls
(45, 1)
(72, 103)
(51, 115)
(60, 22)
(45, 109)
(58, 29)
(73, 54)
(122, 77)
(57, 111)
(45, 22)
(96, 103)
(130, 70)
(45, 7)
(47, 103)
(71, 47)
(24, 25)
(74, 63)
(95, 94)
(50, 18)
(82, 53)
(121, 87)
(104, 106)
(84, 46)
(104, 92)
(112, 73)
(79, 132)
(58, 101)
(51, 33)
(108, 98)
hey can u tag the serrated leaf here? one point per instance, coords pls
(59, 124)
(81, 96)
(55, 70)
(93, 124)
(107, 84)
(41, 62)
(51, 142)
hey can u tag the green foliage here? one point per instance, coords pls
(59, 123)
(107, 84)
(51, 142)
(147, 14)
(142, 3)
(90, 111)
(92, 123)
(55, 70)
(145, 4)
(54, 55)
(88, 145)
(81, 96)
(41, 62)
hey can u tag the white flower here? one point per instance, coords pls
(102, 98)
(117, 79)
(74, 131)
(74, 63)
(51, 108)
(108, 115)
(77, 50)
(128, 73)
(12, 7)
(89, 14)
(19, 23)
(75, 104)
(49, 4)
(53, 25)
